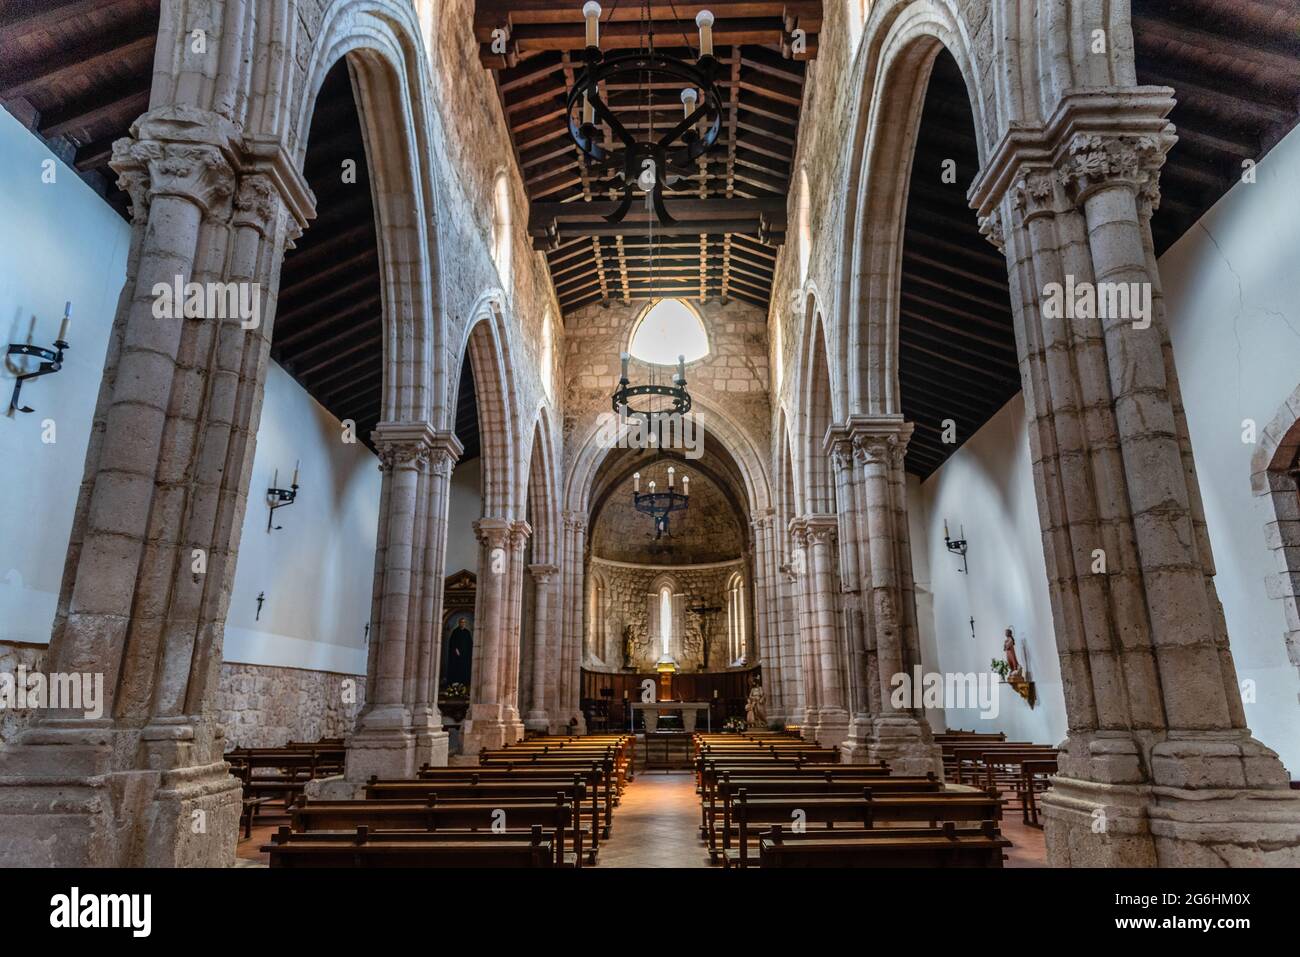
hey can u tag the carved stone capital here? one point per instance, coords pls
(1034, 194)
(542, 574)
(991, 229)
(257, 204)
(520, 532)
(842, 455)
(1097, 161)
(196, 172)
(822, 530)
(493, 532)
(399, 454)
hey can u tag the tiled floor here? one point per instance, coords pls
(657, 824)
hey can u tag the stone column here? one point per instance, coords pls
(575, 527)
(1158, 767)
(806, 649)
(520, 532)
(854, 616)
(899, 732)
(821, 587)
(151, 558)
(538, 718)
(766, 619)
(400, 728)
(485, 725)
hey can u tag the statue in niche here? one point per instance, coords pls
(1013, 661)
(756, 706)
(460, 652)
(629, 647)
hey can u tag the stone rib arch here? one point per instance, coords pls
(484, 344)
(903, 42)
(540, 488)
(816, 413)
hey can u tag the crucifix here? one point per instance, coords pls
(261, 597)
(706, 613)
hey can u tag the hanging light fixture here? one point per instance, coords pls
(659, 505)
(655, 162)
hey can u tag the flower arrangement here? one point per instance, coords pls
(735, 726)
(455, 690)
(1000, 666)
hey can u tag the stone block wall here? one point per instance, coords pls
(263, 707)
(15, 655)
(627, 591)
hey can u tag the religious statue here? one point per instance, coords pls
(756, 706)
(1009, 647)
(628, 642)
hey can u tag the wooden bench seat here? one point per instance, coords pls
(945, 847)
(365, 848)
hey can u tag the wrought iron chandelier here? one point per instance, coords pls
(622, 399)
(656, 162)
(659, 505)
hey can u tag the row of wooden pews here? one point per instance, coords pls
(771, 799)
(278, 775)
(545, 802)
(1020, 770)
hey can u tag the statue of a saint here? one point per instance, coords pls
(756, 706)
(1009, 648)
(627, 647)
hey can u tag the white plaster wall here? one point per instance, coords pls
(317, 570)
(987, 487)
(464, 509)
(1232, 292)
(58, 241)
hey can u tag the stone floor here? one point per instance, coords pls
(657, 825)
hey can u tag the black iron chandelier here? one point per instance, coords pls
(659, 505)
(658, 161)
(676, 394)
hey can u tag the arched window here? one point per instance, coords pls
(502, 235)
(548, 355)
(805, 226)
(670, 328)
(665, 619)
(736, 651)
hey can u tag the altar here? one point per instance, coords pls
(690, 710)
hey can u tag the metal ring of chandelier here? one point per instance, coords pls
(636, 157)
(658, 505)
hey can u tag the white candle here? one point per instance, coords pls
(295, 473)
(591, 10)
(652, 488)
(689, 97)
(588, 111)
(704, 20)
(624, 357)
(636, 482)
(671, 472)
(686, 485)
(67, 322)
(681, 368)
(945, 528)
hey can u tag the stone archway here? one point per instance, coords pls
(1276, 468)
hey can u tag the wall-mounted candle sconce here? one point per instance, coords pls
(956, 545)
(52, 359)
(280, 497)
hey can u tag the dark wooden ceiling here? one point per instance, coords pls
(328, 324)
(1235, 69)
(731, 214)
(78, 73)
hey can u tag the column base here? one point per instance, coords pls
(489, 726)
(537, 721)
(856, 748)
(393, 743)
(832, 727)
(63, 803)
(905, 743)
(1220, 800)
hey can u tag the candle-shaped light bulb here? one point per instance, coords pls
(588, 111)
(652, 487)
(624, 357)
(294, 483)
(636, 481)
(67, 322)
(681, 368)
(704, 20)
(945, 528)
(686, 485)
(671, 472)
(591, 10)
(689, 96)
(275, 479)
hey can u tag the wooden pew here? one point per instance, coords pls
(928, 847)
(871, 808)
(602, 796)
(557, 818)
(467, 792)
(1034, 778)
(366, 848)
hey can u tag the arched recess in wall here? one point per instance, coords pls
(816, 418)
(667, 329)
(804, 214)
(1276, 465)
(485, 351)
(503, 237)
